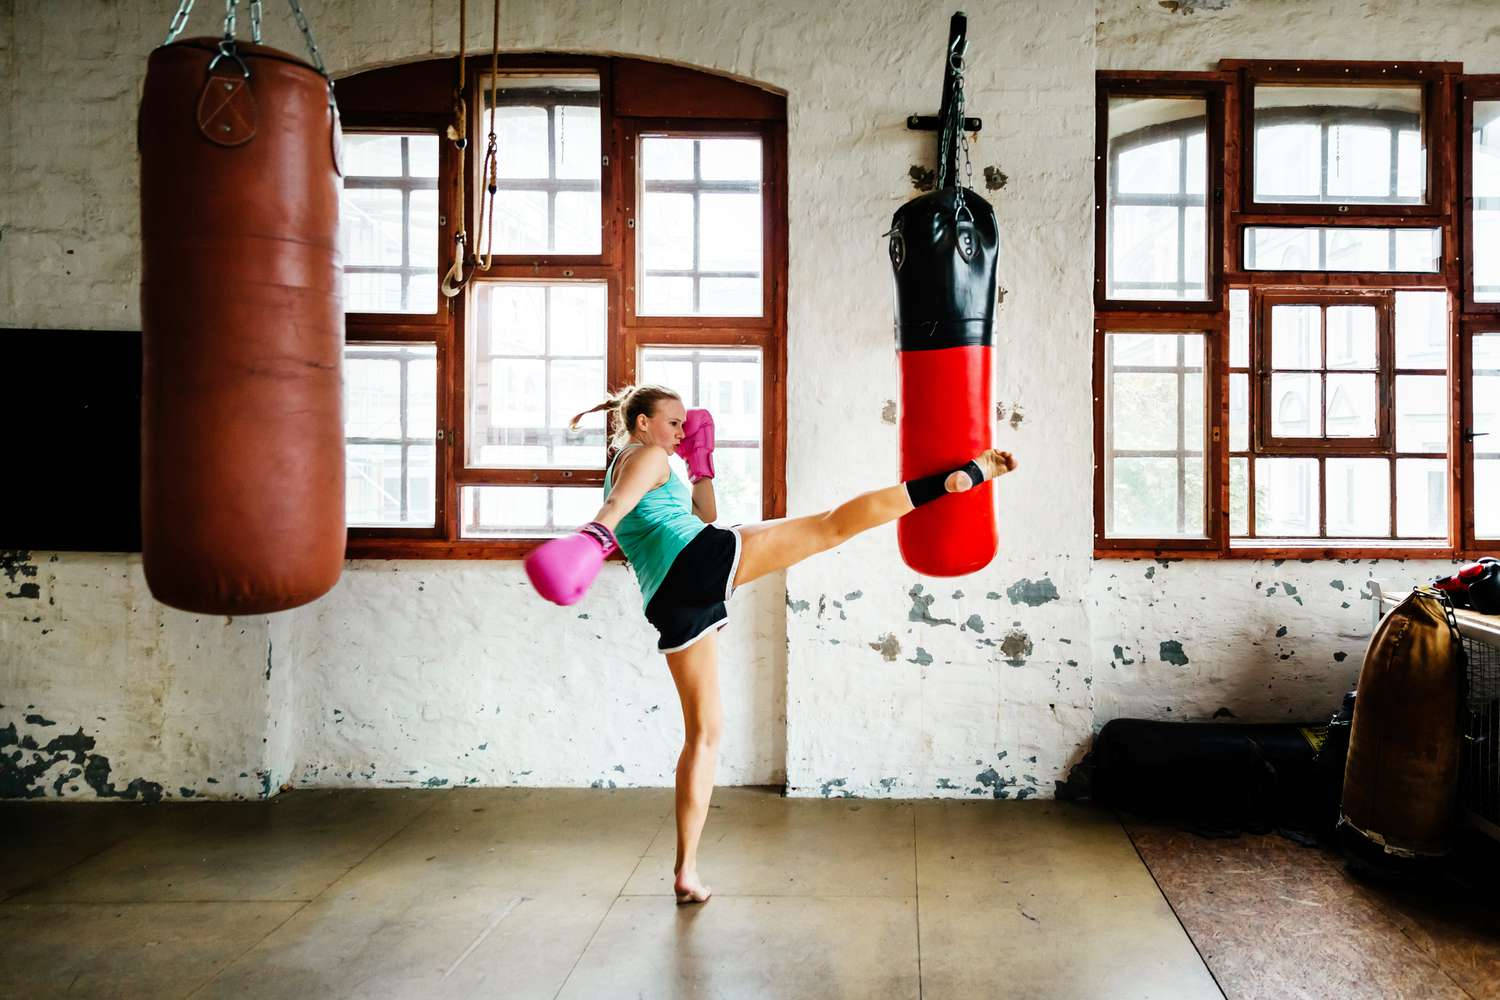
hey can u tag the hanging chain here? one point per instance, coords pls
(226, 45)
(179, 21)
(960, 202)
(312, 46)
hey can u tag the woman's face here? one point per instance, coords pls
(664, 427)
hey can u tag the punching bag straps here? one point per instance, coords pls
(455, 279)
(489, 172)
(951, 113)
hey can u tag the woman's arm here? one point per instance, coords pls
(705, 505)
(639, 474)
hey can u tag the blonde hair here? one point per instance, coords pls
(624, 406)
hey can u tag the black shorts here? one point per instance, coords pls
(690, 601)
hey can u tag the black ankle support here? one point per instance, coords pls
(930, 488)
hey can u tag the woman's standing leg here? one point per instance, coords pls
(695, 671)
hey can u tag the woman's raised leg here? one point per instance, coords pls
(772, 545)
(695, 671)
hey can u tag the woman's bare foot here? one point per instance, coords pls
(690, 889)
(992, 463)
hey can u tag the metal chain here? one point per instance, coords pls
(179, 21)
(230, 15)
(960, 201)
(255, 21)
(312, 46)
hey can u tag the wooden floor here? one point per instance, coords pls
(1279, 921)
(567, 893)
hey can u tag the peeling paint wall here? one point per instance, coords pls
(854, 676)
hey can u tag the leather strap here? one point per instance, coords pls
(227, 114)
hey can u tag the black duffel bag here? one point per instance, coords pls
(1221, 779)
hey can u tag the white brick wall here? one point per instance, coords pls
(417, 673)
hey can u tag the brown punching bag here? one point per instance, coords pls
(1401, 777)
(242, 447)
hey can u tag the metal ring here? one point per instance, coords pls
(227, 48)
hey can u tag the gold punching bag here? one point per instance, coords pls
(242, 447)
(1401, 777)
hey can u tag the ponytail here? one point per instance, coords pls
(623, 407)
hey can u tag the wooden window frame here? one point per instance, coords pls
(1215, 463)
(1446, 141)
(1211, 88)
(1436, 80)
(1470, 328)
(1474, 88)
(634, 95)
(1263, 442)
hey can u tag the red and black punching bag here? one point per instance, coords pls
(943, 250)
(242, 446)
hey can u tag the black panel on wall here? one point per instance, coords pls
(73, 475)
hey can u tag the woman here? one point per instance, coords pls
(688, 567)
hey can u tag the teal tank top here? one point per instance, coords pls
(657, 529)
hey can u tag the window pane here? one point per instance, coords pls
(730, 296)
(1286, 497)
(1290, 248)
(1487, 498)
(700, 245)
(1485, 358)
(390, 430)
(576, 222)
(1154, 473)
(666, 159)
(1351, 405)
(1422, 498)
(548, 129)
(1486, 160)
(730, 160)
(389, 223)
(367, 155)
(1422, 413)
(372, 227)
(1296, 405)
(1239, 412)
(663, 296)
(1422, 330)
(1359, 497)
(729, 232)
(521, 221)
(726, 381)
(1339, 144)
(1239, 328)
(1351, 337)
(1141, 412)
(577, 153)
(1239, 496)
(536, 357)
(526, 511)
(1157, 229)
(667, 243)
(1296, 333)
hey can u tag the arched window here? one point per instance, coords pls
(638, 234)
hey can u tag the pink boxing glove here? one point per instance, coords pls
(562, 569)
(697, 447)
